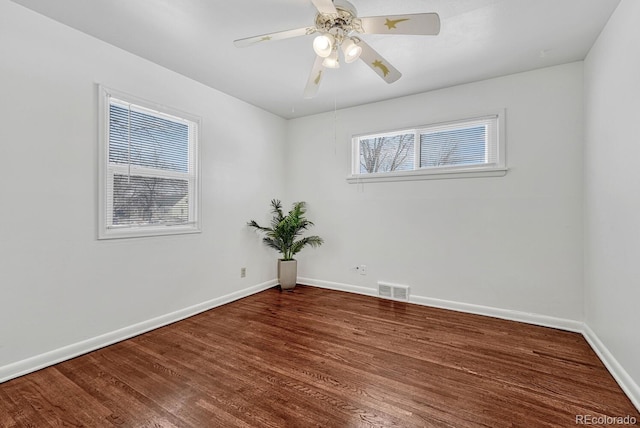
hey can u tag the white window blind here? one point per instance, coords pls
(149, 182)
(469, 142)
(471, 146)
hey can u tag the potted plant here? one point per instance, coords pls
(283, 236)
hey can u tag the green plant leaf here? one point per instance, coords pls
(284, 230)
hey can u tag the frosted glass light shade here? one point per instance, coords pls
(323, 45)
(351, 51)
(332, 60)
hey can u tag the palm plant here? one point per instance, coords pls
(284, 231)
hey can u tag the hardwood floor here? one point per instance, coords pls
(324, 358)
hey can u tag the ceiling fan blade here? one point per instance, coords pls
(315, 77)
(378, 64)
(325, 6)
(427, 24)
(241, 43)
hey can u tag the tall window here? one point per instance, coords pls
(470, 146)
(148, 166)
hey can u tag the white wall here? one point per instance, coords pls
(513, 242)
(59, 285)
(612, 189)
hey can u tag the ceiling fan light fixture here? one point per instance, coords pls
(323, 45)
(336, 29)
(332, 60)
(351, 51)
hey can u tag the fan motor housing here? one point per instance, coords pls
(341, 24)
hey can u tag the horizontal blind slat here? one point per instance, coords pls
(149, 141)
(454, 146)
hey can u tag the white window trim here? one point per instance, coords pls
(106, 171)
(499, 169)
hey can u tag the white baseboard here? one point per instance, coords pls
(628, 385)
(507, 314)
(338, 286)
(46, 359)
(626, 382)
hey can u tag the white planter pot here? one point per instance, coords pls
(287, 274)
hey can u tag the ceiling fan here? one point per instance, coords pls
(337, 25)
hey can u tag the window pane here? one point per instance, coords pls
(463, 146)
(149, 184)
(149, 200)
(147, 140)
(385, 154)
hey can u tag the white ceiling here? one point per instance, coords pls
(479, 39)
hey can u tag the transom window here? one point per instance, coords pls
(149, 180)
(471, 146)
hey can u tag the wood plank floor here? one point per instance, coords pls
(324, 358)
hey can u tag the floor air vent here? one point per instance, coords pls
(393, 291)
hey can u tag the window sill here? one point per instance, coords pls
(119, 233)
(427, 175)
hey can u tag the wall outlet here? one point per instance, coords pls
(243, 272)
(362, 269)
